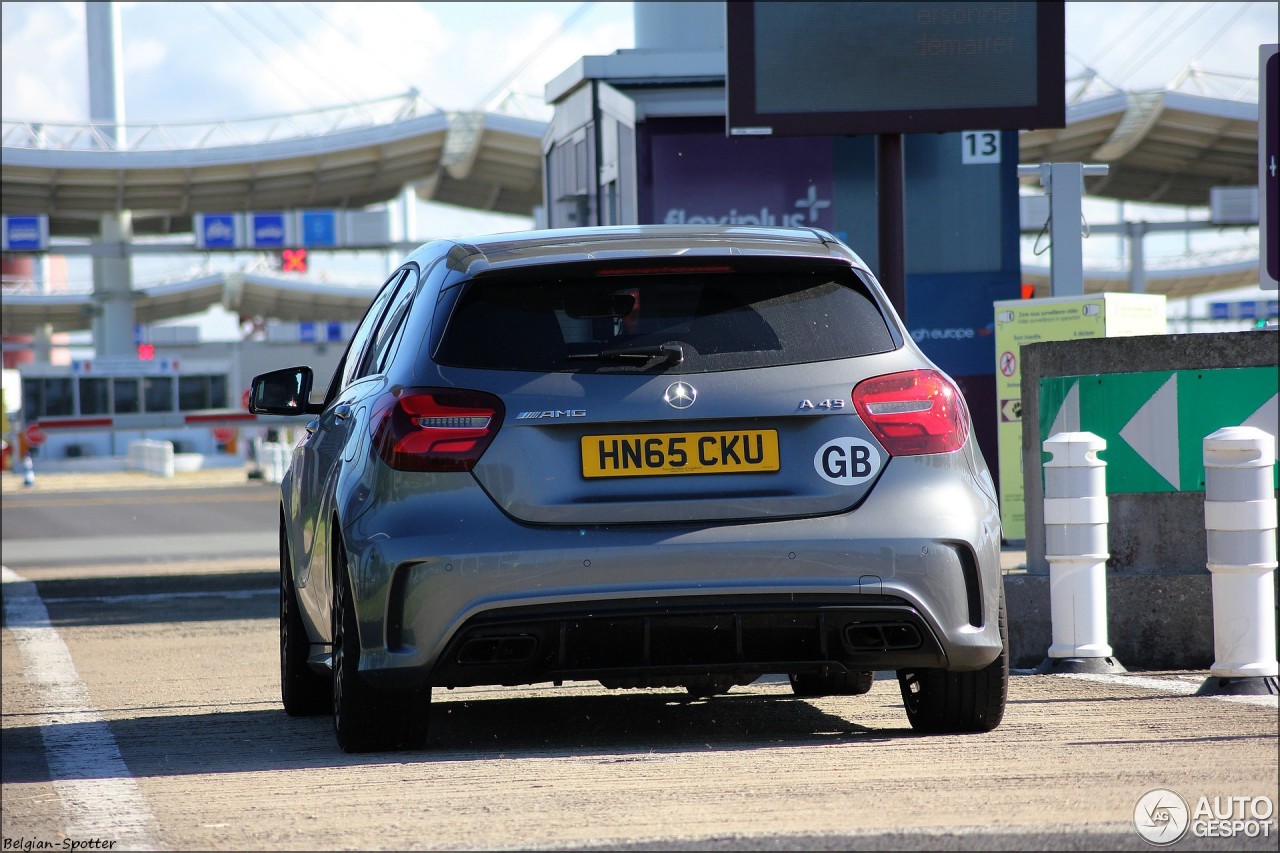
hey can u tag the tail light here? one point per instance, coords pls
(434, 429)
(913, 413)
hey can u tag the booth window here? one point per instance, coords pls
(159, 393)
(59, 398)
(127, 400)
(193, 393)
(95, 395)
(202, 392)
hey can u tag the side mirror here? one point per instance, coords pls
(283, 392)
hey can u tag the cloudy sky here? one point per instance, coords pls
(197, 61)
(211, 61)
(202, 61)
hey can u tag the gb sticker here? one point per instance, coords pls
(847, 461)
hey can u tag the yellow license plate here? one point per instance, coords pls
(728, 452)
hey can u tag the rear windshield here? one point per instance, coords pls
(672, 321)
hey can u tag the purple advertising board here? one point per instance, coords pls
(706, 178)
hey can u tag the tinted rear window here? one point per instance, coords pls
(565, 320)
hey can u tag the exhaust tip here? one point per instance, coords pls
(487, 650)
(881, 637)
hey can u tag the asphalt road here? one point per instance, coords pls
(139, 525)
(140, 710)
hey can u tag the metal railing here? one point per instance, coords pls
(184, 136)
(1088, 84)
(1189, 262)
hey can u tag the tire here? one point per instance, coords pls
(941, 702)
(303, 693)
(843, 683)
(366, 719)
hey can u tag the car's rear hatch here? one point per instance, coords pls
(678, 392)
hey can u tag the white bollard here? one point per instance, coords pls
(284, 452)
(1075, 520)
(153, 457)
(274, 458)
(1240, 529)
(268, 460)
(164, 459)
(133, 461)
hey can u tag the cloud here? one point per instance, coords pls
(270, 58)
(145, 56)
(397, 41)
(279, 58)
(267, 58)
(492, 52)
(39, 37)
(1145, 45)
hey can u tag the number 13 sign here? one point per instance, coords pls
(980, 146)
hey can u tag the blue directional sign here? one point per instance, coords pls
(217, 231)
(1244, 309)
(26, 233)
(306, 333)
(333, 331)
(267, 231)
(319, 228)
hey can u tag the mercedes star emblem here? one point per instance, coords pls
(680, 395)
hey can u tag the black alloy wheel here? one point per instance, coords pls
(303, 693)
(366, 719)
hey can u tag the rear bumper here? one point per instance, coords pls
(660, 642)
(468, 596)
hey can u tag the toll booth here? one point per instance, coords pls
(639, 137)
(108, 403)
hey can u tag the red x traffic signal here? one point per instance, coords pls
(293, 260)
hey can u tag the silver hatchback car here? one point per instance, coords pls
(650, 456)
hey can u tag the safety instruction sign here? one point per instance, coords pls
(1026, 321)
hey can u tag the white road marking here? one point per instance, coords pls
(1182, 688)
(100, 799)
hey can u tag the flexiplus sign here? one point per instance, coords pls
(1019, 322)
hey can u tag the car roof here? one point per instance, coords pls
(635, 242)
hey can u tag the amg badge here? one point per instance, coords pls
(554, 413)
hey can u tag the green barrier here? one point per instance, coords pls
(1154, 423)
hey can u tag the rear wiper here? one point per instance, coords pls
(669, 353)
